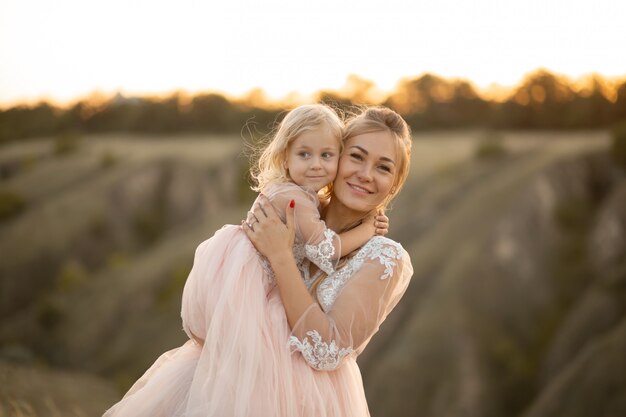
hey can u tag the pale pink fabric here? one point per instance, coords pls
(243, 360)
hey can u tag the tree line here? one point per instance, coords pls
(541, 101)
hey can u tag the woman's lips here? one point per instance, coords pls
(359, 189)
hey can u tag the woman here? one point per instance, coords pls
(332, 321)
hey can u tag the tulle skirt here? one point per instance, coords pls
(237, 362)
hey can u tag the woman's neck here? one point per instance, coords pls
(339, 217)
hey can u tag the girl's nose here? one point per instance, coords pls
(315, 163)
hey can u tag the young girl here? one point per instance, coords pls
(226, 365)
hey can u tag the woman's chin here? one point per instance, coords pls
(359, 204)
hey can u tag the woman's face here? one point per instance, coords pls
(366, 171)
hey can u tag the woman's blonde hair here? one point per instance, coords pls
(378, 119)
(382, 119)
(270, 167)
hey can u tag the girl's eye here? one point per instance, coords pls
(327, 155)
(304, 154)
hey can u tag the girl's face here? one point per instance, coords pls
(366, 172)
(312, 158)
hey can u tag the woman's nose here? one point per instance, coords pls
(365, 173)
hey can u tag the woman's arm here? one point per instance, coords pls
(354, 302)
(274, 240)
(359, 299)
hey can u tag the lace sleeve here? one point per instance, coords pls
(323, 254)
(322, 246)
(354, 301)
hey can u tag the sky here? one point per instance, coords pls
(64, 50)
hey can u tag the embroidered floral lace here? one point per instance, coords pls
(320, 355)
(384, 250)
(354, 300)
(323, 253)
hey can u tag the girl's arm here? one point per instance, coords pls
(372, 225)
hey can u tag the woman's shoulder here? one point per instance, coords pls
(387, 252)
(381, 243)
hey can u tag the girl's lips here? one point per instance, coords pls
(359, 189)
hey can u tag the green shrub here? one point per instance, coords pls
(149, 224)
(173, 287)
(49, 314)
(11, 204)
(123, 380)
(28, 162)
(72, 274)
(108, 159)
(244, 193)
(491, 146)
(618, 145)
(117, 260)
(99, 227)
(570, 269)
(66, 142)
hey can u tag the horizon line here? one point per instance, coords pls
(493, 92)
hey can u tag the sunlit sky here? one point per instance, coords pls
(65, 49)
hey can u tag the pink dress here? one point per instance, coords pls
(242, 358)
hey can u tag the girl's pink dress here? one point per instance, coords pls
(242, 359)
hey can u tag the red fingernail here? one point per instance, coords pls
(292, 204)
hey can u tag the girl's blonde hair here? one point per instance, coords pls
(270, 167)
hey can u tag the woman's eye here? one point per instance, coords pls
(385, 168)
(356, 156)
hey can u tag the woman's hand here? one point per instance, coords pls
(269, 235)
(274, 240)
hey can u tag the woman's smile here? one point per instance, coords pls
(366, 171)
(358, 189)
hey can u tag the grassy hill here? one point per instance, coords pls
(516, 294)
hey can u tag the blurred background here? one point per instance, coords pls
(123, 136)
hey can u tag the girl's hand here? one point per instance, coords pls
(269, 235)
(381, 223)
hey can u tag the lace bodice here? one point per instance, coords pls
(380, 249)
(353, 300)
